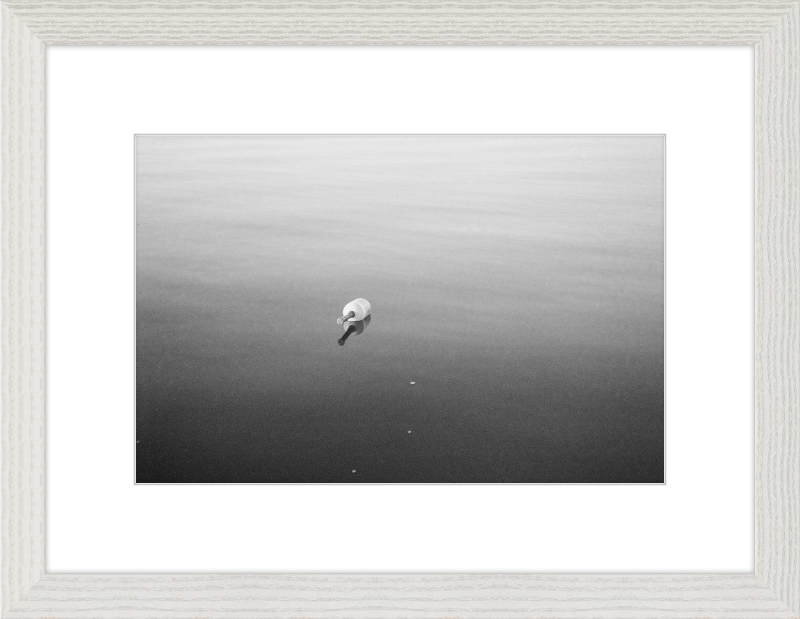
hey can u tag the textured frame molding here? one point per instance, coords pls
(771, 26)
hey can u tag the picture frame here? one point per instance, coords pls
(771, 27)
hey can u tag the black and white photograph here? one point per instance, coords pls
(400, 308)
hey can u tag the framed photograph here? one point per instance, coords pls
(489, 259)
(375, 312)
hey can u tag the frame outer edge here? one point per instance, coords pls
(23, 312)
(400, 22)
(777, 341)
(775, 588)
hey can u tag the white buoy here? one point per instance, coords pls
(357, 309)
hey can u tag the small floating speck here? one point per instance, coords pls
(412, 383)
(353, 471)
(409, 431)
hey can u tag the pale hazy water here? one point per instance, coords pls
(516, 281)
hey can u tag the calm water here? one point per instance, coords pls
(517, 294)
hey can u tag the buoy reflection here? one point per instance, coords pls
(354, 327)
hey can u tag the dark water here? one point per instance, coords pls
(517, 282)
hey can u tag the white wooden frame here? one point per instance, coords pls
(771, 26)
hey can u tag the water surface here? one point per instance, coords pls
(517, 293)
